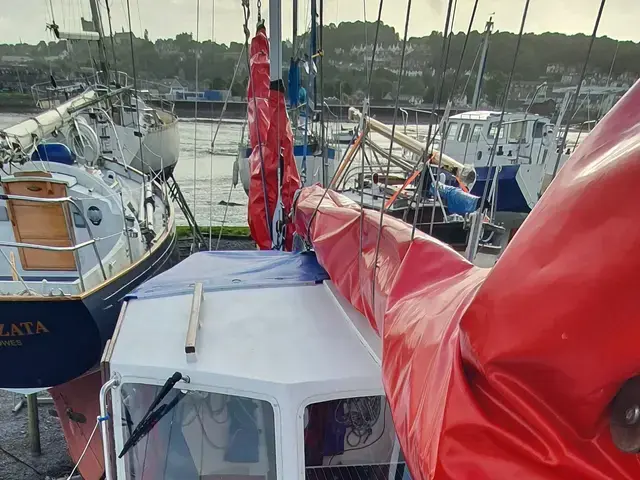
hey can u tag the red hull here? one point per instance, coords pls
(81, 396)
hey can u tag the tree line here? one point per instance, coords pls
(345, 66)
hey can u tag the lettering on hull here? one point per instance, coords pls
(10, 343)
(22, 329)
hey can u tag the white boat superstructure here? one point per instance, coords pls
(145, 136)
(77, 232)
(86, 224)
(276, 376)
(523, 138)
(524, 160)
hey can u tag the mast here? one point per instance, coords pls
(295, 28)
(275, 30)
(323, 140)
(313, 45)
(483, 63)
(97, 23)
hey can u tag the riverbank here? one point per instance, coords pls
(12, 102)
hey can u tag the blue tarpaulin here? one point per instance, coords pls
(233, 269)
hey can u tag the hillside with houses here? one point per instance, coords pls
(168, 65)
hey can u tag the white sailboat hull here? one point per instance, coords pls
(158, 151)
(314, 166)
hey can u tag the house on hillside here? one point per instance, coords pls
(15, 59)
(525, 89)
(555, 68)
(404, 99)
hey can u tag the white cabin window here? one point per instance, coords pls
(492, 131)
(538, 129)
(464, 132)
(452, 131)
(475, 134)
(206, 435)
(351, 438)
(518, 132)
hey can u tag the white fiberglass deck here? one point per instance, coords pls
(298, 336)
(276, 339)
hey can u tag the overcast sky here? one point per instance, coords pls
(25, 19)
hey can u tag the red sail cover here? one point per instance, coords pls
(507, 373)
(270, 136)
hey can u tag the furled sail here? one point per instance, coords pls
(274, 175)
(509, 372)
(24, 136)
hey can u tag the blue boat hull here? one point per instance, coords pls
(510, 196)
(47, 341)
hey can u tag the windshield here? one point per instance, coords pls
(206, 435)
(352, 438)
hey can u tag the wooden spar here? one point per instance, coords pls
(347, 161)
(465, 172)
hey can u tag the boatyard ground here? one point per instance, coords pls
(16, 460)
(14, 444)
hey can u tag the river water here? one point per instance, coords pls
(213, 172)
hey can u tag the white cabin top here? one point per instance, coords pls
(484, 115)
(481, 115)
(278, 356)
(277, 332)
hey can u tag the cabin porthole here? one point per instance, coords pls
(94, 215)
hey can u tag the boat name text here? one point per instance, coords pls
(21, 329)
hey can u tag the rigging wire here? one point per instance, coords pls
(443, 134)
(601, 108)
(505, 99)
(214, 137)
(450, 36)
(574, 101)
(135, 93)
(393, 130)
(247, 13)
(195, 113)
(436, 101)
(365, 112)
(366, 40)
(326, 190)
(464, 49)
(53, 18)
(473, 66)
(113, 44)
(417, 194)
(323, 139)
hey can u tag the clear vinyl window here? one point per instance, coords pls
(204, 436)
(351, 438)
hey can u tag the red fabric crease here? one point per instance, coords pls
(506, 373)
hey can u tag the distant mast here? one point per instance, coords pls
(97, 24)
(483, 63)
(275, 31)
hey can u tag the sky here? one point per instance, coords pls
(24, 20)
